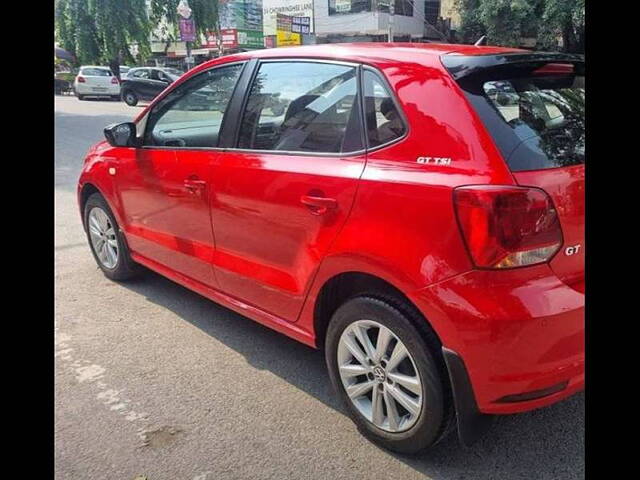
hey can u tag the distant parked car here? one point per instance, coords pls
(94, 81)
(145, 83)
(124, 70)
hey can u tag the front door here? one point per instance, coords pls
(165, 187)
(280, 198)
(156, 83)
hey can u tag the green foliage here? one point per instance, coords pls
(506, 22)
(98, 31)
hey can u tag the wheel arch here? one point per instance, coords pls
(86, 190)
(349, 284)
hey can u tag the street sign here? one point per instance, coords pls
(187, 30)
(284, 38)
(301, 25)
(306, 29)
(183, 9)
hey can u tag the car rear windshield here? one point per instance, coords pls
(96, 72)
(536, 120)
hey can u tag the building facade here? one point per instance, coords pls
(368, 20)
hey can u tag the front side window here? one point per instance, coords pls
(384, 123)
(191, 115)
(302, 107)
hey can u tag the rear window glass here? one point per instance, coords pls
(96, 72)
(537, 121)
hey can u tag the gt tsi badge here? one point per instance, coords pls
(434, 160)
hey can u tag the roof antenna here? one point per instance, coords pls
(481, 41)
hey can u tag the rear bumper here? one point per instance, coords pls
(83, 89)
(520, 334)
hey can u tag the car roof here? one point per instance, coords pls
(377, 50)
(95, 66)
(372, 52)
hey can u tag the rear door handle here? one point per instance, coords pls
(318, 205)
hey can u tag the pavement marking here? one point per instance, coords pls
(90, 373)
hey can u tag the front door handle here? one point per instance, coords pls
(319, 205)
(194, 185)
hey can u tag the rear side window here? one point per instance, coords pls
(96, 72)
(384, 123)
(302, 107)
(537, 121)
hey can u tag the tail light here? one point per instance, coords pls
(81, 79)
(114, 80)
(507, 226)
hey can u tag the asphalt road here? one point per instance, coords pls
(153, 380)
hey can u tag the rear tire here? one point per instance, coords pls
(130, 98)
(415, 432)
(105, 238)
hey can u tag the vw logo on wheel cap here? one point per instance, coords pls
(378, 372)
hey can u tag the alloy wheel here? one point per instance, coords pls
(103, 238)
(379, 376)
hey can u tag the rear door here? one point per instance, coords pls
(535, 113)
(281, 193)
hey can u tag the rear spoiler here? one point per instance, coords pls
(462, 66)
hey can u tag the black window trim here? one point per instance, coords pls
(236, 91)
(396, 103)
(231, 122)
(240, 114)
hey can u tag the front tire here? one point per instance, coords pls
(388, 378)
(81, 97)
(130, 98)
(107, 241)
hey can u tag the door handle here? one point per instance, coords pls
(318, 205)
(194, 185)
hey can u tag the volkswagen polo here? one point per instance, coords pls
(414, 210)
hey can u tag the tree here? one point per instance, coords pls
(102, 31)
(76, 31)
(165, 16)
(566, 17)
(506, 22)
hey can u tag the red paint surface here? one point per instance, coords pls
(248, 242)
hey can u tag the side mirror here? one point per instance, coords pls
(121, 134)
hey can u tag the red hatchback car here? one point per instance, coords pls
(416, 210)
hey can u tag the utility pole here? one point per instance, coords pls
(185, 12)
(392, 8)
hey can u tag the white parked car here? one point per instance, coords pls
(94, 81)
